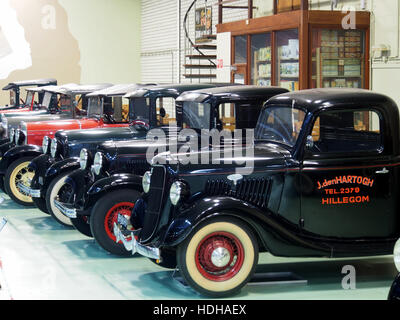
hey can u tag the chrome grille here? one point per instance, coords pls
(155, 203)
(255, 191)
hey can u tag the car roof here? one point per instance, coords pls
(75, 89)
(25, 83)
(316, 99)
(231, 93)
(116, 90)
(171, 90)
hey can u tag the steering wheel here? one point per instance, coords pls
(279, 134)
(109, 118)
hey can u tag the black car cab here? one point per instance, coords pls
(320, 180)
(151, 106)
(29, 103)
(115, 178)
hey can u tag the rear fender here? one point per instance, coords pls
(115, 182)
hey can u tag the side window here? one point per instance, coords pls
(165, 110)
(239, 116)
(226, 116)
(347, 132)
(125, 110)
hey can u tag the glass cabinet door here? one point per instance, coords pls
(338, 58)
(261, 59)
(287, 59)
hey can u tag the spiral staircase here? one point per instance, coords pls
(200, 42)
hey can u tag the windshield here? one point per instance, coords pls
(140, 110)
(12, 98)
(196, 115)
(65, 104)
(280, 124)
(29, 98)
(95, 107)
(47, 99)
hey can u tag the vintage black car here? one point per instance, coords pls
(320, 181)
(394, 293)
(113, 108)
(74, 112)
(148, 106)
(16, 102)
(115, 179)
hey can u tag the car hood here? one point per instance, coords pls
(92, 138)
(25, 113)
(246, 159)
(13, 122)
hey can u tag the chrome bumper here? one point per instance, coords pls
(68, 212)
(34, 193)
(134, 246)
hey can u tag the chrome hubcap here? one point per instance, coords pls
(220, 257)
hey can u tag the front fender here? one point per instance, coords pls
(5, 147)
(274, 234)
(115, 182)
(4, 140)
(18, 152)
(62, 166)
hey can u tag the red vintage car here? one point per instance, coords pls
(31, 102)
(28, 139)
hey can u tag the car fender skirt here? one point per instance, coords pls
(276, 236)
(18, 152)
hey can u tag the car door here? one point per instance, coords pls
(348, 179)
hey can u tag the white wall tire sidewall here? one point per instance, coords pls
(53, 194)
(240, 277)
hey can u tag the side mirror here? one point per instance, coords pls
(309, 142)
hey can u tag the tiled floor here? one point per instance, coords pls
(43, 260)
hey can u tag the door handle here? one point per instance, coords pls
(383, 171)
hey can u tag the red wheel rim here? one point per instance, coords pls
(124, 208)
(219, 256)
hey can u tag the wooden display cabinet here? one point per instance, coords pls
(303, 48)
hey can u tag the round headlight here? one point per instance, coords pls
(146, 180)
(84, 159)
(45, 144)
(54, 147)
(396, 255)
(98, 163)
(12, 135)
(176, 192)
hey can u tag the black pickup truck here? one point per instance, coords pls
(321, 180)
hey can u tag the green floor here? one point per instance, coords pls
(40, 259)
